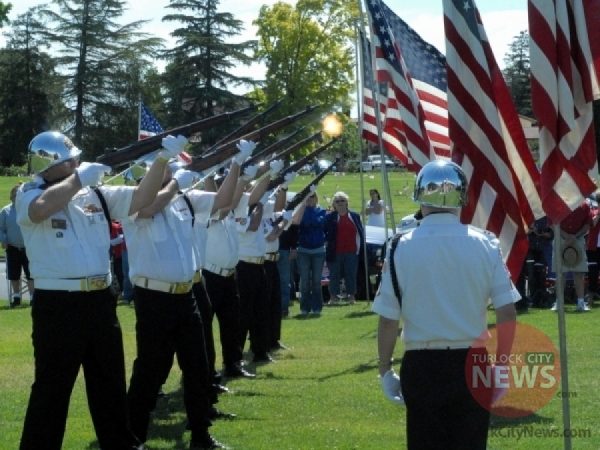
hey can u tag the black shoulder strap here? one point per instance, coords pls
(395, 240)
(191, 208)
(104, 207)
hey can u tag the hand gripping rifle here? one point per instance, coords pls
(138, 149)
(299, 164)
(226, 151)
(300, 196)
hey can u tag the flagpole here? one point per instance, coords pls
(359, 110)
(562, 335)
(137, 138)
(386, 185)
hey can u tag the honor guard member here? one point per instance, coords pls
(74, 314)
(438, 279)
(222, 252)
(272, 209)
(250, 272)
(162, 268)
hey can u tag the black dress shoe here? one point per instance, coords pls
(278, 346)
(205, 443)
(238, 372)
(262, 358)
(220, 389)
(215, 414)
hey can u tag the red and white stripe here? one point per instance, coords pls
(488, 138)
(564, 83)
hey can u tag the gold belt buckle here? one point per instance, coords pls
(181, 288)
(94, 283)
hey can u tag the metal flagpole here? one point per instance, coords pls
(374, 88)
(562, 335)
(359, 89)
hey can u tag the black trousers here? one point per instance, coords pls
(168, 324)
(206, 312)
(73, 329)
(274, 302)
(226, 306)
(16, 260)
(441, 413)
(254, 318)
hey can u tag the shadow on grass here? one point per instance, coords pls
(359, 314)
(369, 366)
(508, 422)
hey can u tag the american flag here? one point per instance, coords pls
(389, 136)
(488, 138)
(149, 126)
(563, 86)
(427, 68)
(404, 112)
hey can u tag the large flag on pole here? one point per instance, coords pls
(404, 112)
(563, 85)
(488, 138)
(373, 93)
(427, 68)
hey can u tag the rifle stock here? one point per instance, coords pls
(138, 149)
(299, 164)
(225, 151)
(300, 196)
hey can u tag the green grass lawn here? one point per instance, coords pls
(322, 393)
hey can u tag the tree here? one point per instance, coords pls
(516, 73)
(29, 89)
(94, 49)
(199, 74)
(4, 10)
(308, 51)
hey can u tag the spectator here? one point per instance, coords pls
(375, 209)
(288, 242)
(16, 257)
(310, 218)
(573, 229)
(593, 256)
(344, 234)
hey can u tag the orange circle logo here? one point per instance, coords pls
(516, 383)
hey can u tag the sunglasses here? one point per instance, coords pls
(340, 201)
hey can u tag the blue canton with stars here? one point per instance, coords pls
(148, 121)
(424, 62)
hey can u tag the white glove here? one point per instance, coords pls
(185, 178)
(116, 241)
(245, 150)
(501, 382)
(265, 198)
(287, 215)
(275, 167)
(249, 172)
(90, 174)
(390, 382)
(172, 146)
(288, 178)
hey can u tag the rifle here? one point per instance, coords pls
(270, 149)
(300, 196)
(138, 149)
(291, 149)
(226, 151)
(299, 164)
(245, 127)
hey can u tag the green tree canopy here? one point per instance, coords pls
(517, 71)
(4, 10)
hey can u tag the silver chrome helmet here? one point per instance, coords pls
(441, 184)
(50, 148)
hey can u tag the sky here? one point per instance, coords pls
(503, 20)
